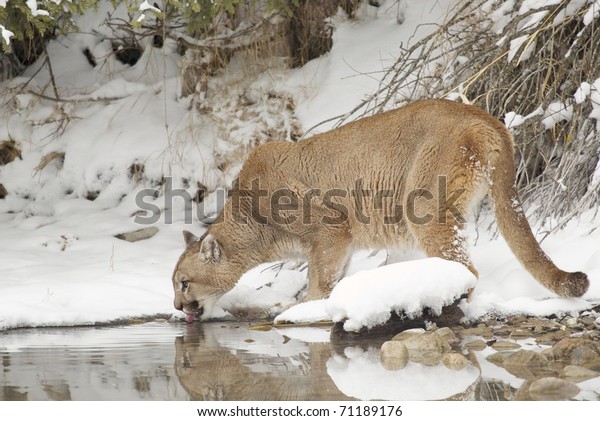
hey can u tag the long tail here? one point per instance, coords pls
(517, 232)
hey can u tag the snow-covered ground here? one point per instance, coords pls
(60, 262)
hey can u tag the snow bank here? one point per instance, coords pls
(368, 298)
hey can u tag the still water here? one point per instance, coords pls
(221, 361)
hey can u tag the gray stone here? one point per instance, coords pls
(582, 355)
(142, 234)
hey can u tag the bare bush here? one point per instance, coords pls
(533, 67)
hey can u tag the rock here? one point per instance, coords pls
(522, 394)
(142, 234)
(552, 388)
(454, 361)
(476, 345)
(503, 331)
(571, 322)
(491, 323)
(423, 347)
(551, 338)
(525, 358)
(539, 330)
(588, 321)
(497, 358)
(528, 365)
(515, 320)
(563, 350)
(577, 373)
(394, 355)
(480, 330)
(140, 212)
(505, 345)
(447, 334)
(520, 333)
(582, 355)
(409, 333)
(551, 326)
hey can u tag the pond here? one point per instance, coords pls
(229, 361)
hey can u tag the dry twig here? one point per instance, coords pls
(467, 58)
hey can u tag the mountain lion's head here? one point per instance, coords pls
(201, 276)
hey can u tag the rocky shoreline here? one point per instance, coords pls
(550, 354)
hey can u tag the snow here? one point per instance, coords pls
(534, 20)
(512, 119)
(584, 91)
(501, 15)
(592, 13)
(555, 113)
(308, 312)
(595, 98)
(590, 91)
(357, 372)
(332, 85)
(529, 5)
(62, 265)
(32, 4)
(6, 34)
(368, 298)
(515, 45)
(147, 6)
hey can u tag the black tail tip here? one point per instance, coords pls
(574, 284)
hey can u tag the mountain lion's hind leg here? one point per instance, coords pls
(444, 240)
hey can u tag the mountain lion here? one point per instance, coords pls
(409, 176)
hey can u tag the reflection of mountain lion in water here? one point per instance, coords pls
(208, 371)
(403, 156)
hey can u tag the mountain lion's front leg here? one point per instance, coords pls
(327, 259)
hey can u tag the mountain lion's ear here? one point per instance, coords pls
(189, 238)
(210, 249)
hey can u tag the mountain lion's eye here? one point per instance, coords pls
(185, 284)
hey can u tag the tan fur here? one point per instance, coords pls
(402, 153)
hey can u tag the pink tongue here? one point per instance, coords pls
(189, 318)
